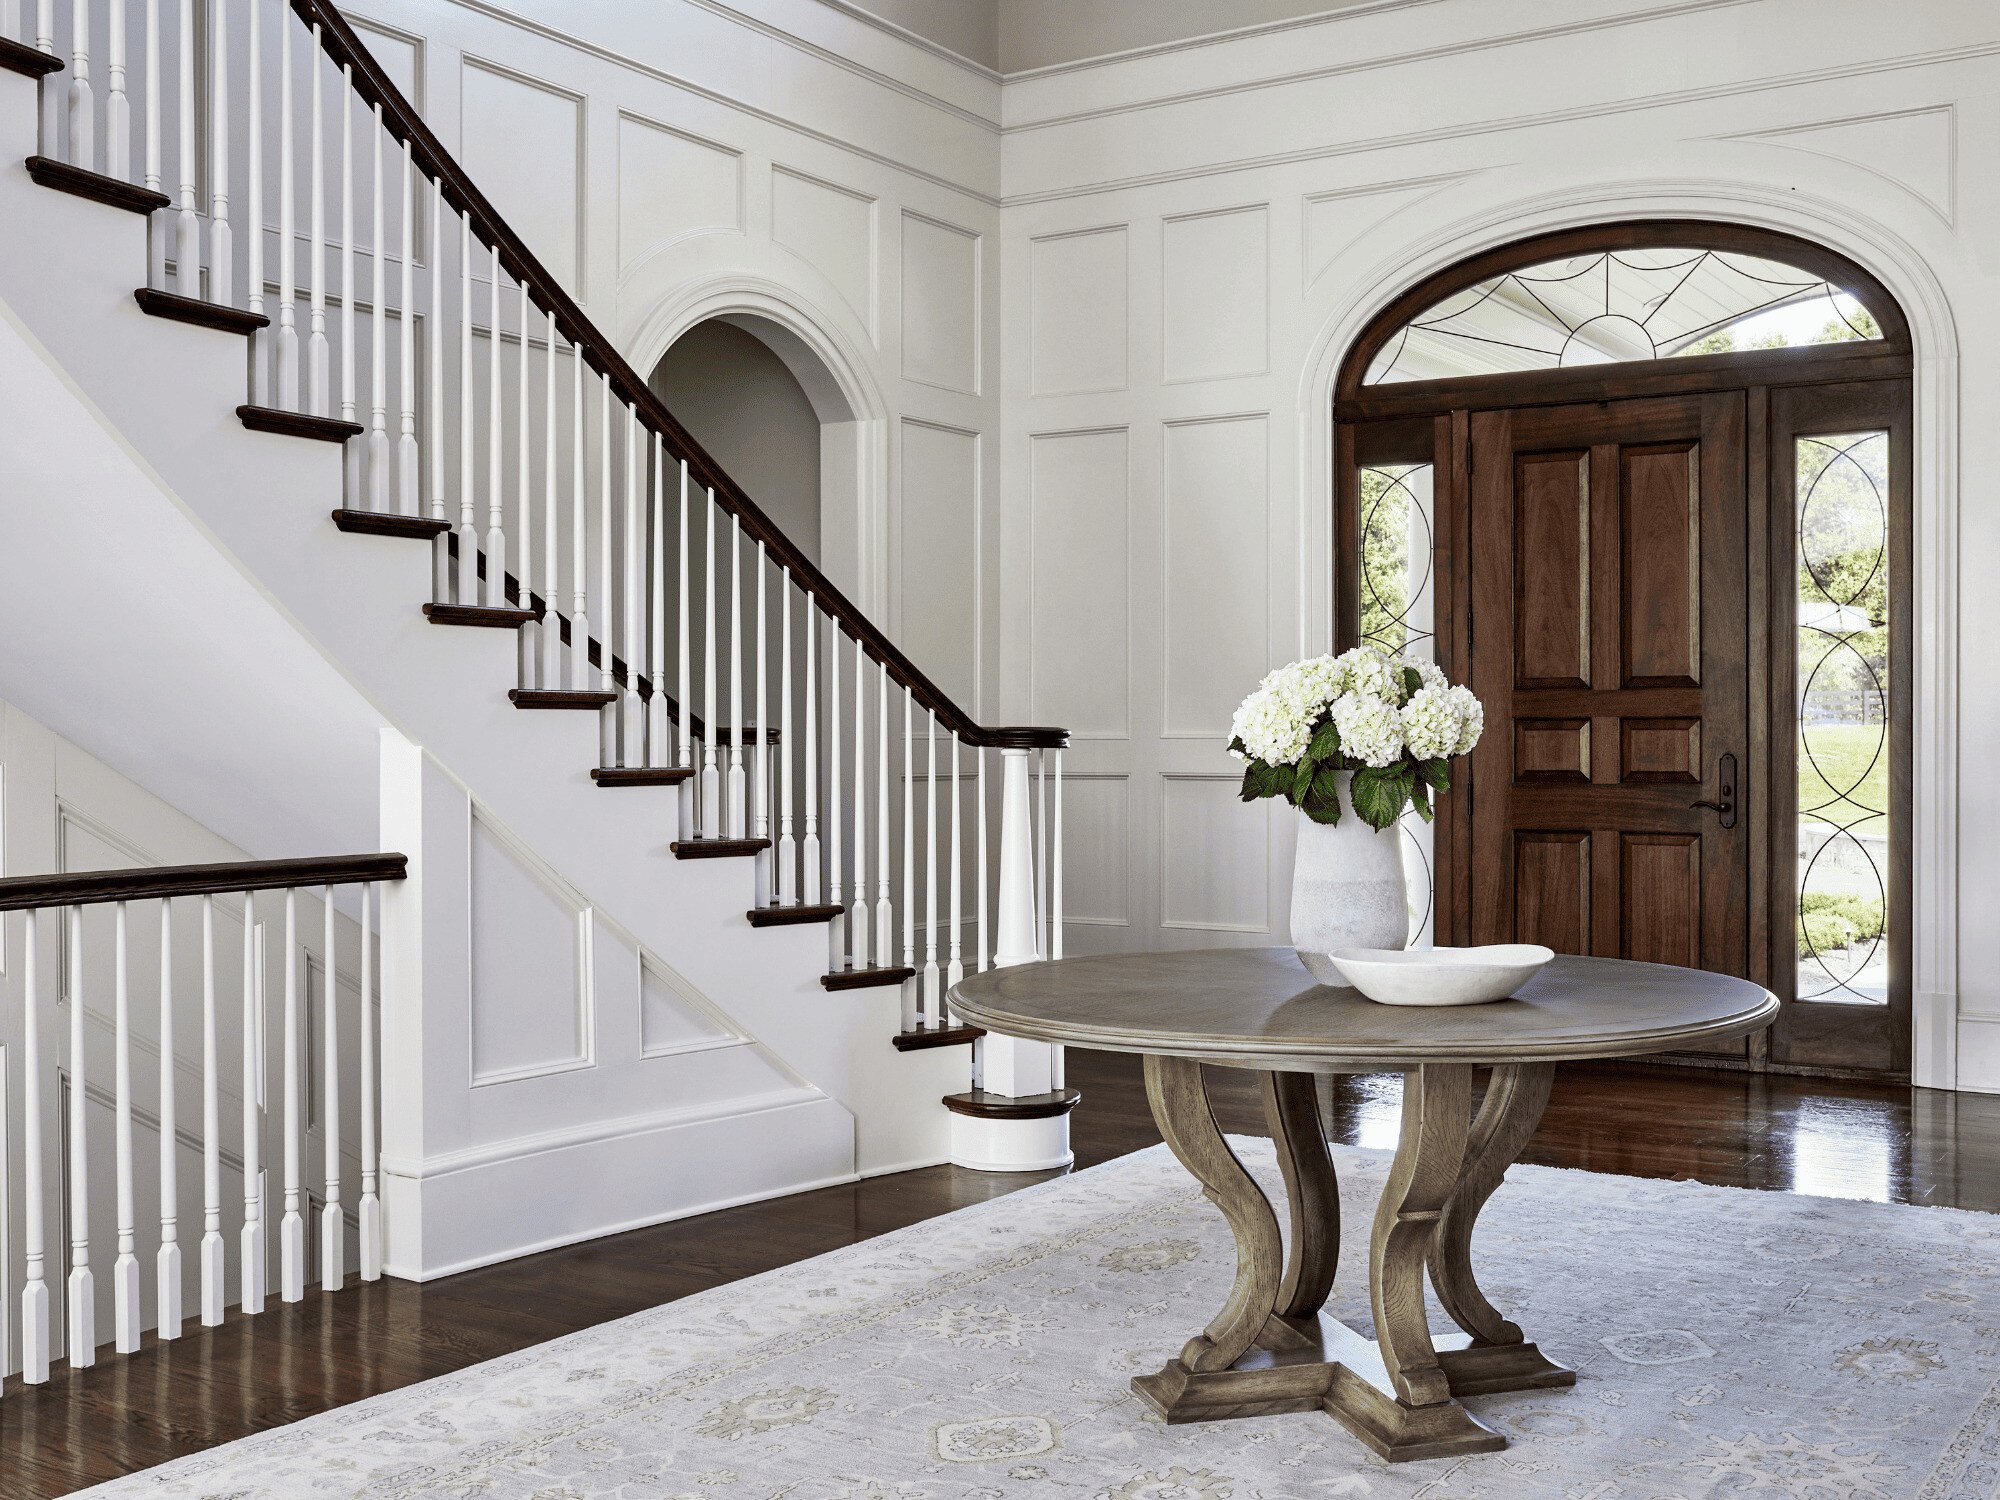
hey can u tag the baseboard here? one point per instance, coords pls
(477, 1209)
(1978, 1055)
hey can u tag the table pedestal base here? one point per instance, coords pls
(1274, 1349)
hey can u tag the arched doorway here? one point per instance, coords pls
(1646, 487)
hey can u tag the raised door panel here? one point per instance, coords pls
(1552, 570)
(1551, 752)
(1552, 882)
(1660, 565)
(1659, 898)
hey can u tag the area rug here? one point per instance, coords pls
(1728, 1344)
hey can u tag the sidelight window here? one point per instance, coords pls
(1844, 750)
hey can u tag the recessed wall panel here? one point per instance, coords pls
(671, 185)
(1079, 493)
(1216, 635)
(938, 555)
(832, 228)
(940, 304)
(1077, 312)
(522, 142)
(1215, 856)
(1217, 295)
(1097, 842)
(529, 971)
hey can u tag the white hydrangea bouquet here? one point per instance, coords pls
(1394, 722)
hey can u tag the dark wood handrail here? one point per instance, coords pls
(338, 40)
(95, 887)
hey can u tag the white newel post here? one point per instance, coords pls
(1008, 1066)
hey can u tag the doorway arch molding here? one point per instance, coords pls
(846, 393)
(1512, 212)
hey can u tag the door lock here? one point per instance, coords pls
(1726, 807)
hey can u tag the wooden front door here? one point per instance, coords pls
(1609, 629)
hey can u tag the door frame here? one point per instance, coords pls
(1429, 421)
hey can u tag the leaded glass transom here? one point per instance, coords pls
(1620, 305)
(1843, 716)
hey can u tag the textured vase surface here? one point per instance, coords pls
(1347, 888)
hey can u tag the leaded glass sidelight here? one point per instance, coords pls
(1613, 306)
(1843, 716)
(1396, 590)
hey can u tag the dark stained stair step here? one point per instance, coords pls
(791, 916)
(387, 523)
(984, 1106)
(718, 848)
(588, 698)
(936, 1036)
(862, 979)
(641, 775)
(494, 616)
(201, 314)
(298, 424)
(95, 186)
(19, 57)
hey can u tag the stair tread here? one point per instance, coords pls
(983, 1105)
(641, 775)
(918, 1039)
(498, 617)
(791, 916)
(861, 979)
(590, 698)
(95, 186)
(19, 57)
(717, 848)
(200, 314)
(298, 424)
(385, 523)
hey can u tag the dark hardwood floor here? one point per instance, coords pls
(1809, 1135)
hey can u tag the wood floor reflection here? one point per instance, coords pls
(1842, 1139)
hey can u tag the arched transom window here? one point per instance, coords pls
(1614, 306)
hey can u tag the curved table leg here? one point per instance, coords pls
(1179, 1098)
(1437, 1099)
(1497, 1358)
(1312, 1193)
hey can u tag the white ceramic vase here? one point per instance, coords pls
(1347, 888)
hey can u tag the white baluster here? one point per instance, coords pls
(468, 529)
(35, 1289)
(885, 920)
(370, 1207)
(252, 1239)
(529, 638)
(955, 968)
(1056, 868)
(1015, 939)
(657, 748)
(292, 1227)
(788, 848)
(550, 630)
(579, 613)
(408, 501)
(684, 747)
(167, 1261)
(80, 1327)
(319, 367)
(711, 779)
(117, 105)
(1042, 852)
(378, 325)
(809, 844)
(51, 111)
(982, 950)
(221, 241)
(214, 1253)
(857, 922)
(440, 551)
(332, 1224)
(357, 456)
(738, 827)
(496, 537)
(933, 1006)
(156, 239)
(912, 994)
(836, 863)
(630, 641)
(125, 1268)
(760, 764)
(253, 127)
(187, 237)
(288, 314)
(606, 603)
(82, 108)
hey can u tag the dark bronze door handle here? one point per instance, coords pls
(1726, 807)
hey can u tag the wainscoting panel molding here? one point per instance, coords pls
(937, 549)
(941, 304)
(670, 185)
(1080, 644)
(522, 138)
(1215, 856)
(1216, 574)
(1216, 309)
(1078, 313)
(832, 228)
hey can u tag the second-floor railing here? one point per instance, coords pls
(391, 309)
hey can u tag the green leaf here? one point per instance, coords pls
(1238, 747)
(1263, 780)
(1380, 793)
(1325, 746)
(1302, 780)
(1436, 772)
(1420, 799)
(1412, 680)
(1322, 803)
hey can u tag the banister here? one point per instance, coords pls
(96, 887)
(402, 120)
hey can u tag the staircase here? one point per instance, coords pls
(254, 261)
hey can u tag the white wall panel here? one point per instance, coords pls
(1215, 856)
(1080, 642)
(1216, 543)
(522, 141)
(941, 296)
(1216, 311)
(937, 554)
(1097, 843)
(1334, 220)
(672, 184)
(531, 969)
(672, 1016)
(1077, 312)
(831, 228)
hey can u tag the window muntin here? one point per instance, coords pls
(1621, 305)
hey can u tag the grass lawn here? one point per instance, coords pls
(1843, 753)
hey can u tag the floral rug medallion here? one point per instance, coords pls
(1757, 1346)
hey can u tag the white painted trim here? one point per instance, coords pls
(1511, 216)
(936, 49)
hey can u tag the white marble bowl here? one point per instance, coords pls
(1440, 976)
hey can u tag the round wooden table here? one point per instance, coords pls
(1273, 1347)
